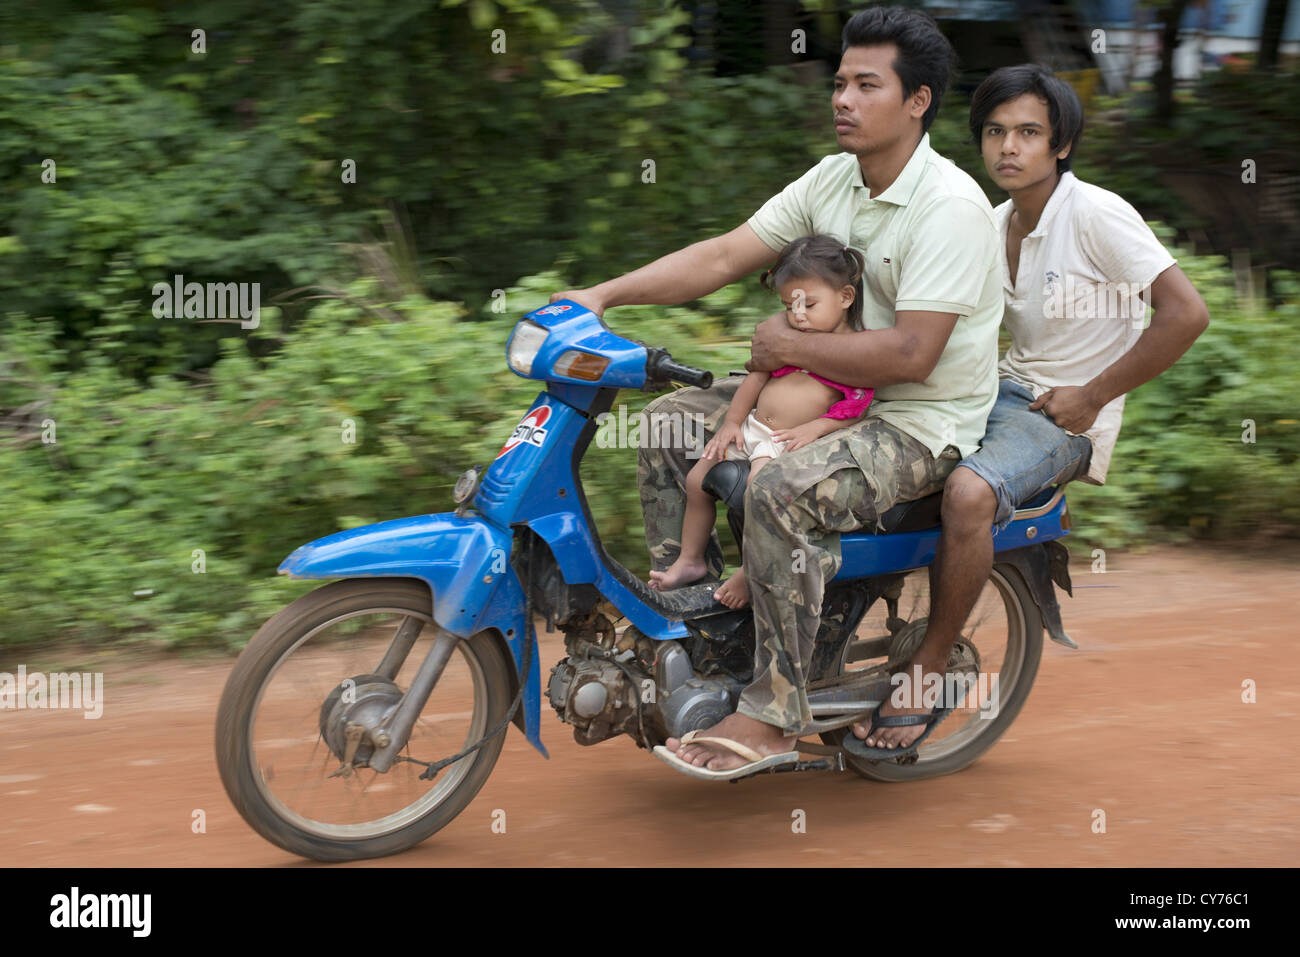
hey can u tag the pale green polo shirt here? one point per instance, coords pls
(931, 243)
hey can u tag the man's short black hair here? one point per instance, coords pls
(925, 57)
(1064, 110)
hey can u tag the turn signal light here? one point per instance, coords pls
(581, 365)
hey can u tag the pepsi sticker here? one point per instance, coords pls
(530, 430)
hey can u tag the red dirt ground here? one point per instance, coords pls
(1146, 722)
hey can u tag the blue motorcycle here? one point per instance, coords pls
(366, 715)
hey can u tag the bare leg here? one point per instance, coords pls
(678, 422)
(697, 525)
(960, 570)
(734, 593)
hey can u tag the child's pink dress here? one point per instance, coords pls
(758, 437)
(853, 404)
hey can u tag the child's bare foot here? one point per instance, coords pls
(677, 574)
(734, 593)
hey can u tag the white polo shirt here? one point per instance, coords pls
(1075, 306)
(930, 245)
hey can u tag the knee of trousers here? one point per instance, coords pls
(775, 520)
(665, 403)
(770, 501)
(653, 450)
(671, 425)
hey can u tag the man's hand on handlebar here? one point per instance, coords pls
(583, 297)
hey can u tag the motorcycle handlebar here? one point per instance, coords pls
(660, 366)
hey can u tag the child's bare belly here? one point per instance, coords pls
(794, 399)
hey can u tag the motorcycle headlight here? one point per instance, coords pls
(524, 345)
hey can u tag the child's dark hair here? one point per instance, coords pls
(826, 258)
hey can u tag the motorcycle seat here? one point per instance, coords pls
(727, 480)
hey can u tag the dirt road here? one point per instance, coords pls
(1145, 722)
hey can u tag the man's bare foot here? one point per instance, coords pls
(766, 739)
(679, 573)
(900, 737)
(734, 593)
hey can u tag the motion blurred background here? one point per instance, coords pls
(155, 471)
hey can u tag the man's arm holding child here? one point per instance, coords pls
(908, 351)
(947, 257)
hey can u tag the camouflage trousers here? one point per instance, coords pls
(795, 510)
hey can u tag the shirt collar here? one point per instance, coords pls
(1064, 187)
(904, 185)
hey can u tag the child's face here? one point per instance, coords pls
(813, 305)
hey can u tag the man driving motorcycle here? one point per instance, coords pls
(932, 303)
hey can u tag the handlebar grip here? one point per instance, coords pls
(662, 366)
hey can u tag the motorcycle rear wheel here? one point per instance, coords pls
(276, 763)
(1012, 649)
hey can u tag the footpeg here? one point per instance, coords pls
(835, 763)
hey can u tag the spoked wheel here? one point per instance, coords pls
(316, 673)
(994, 663)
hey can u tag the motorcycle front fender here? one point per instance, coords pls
(464, 561)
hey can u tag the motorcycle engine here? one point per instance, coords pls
(598, 687)
(595, 697)
(632, 685)
(688, 702)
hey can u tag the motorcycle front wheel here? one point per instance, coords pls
(1000, 648)
(334, 658)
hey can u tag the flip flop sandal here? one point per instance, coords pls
(757, 762)
(859, 748)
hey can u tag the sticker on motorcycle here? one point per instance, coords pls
(552, 310)
(529, 431)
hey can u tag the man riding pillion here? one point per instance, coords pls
(1078, 263)
(932, 302)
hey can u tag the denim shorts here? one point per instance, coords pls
(1024, 452)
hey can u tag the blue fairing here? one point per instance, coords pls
(574, 327)
(534, 483)
(464, 561)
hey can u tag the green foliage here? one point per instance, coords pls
(485, 164)
(1210, 447)
(254, 462)
(478, 169)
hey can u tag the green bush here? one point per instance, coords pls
(477, 167)
(1209, 448)
(253, 463)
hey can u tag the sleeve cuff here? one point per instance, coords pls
(1156, 274)
(932, 305)
(765, 235)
